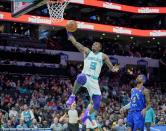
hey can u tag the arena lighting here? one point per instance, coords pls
(148, 41)
(103, 34)
(131, 37)
(158, 42)
(118, 36)
(153, 38)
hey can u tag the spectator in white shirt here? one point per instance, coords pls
(73, 118)
(13, 112)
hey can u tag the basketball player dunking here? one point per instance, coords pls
(140, 103)
(93, 61)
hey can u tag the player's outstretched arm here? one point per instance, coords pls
(109, 64)
(126, 107)
(78, 45)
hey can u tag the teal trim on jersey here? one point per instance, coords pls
(87, 55)
(95, 128)
(96, 53)
(93, 77)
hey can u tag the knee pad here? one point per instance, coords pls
(96, 101)
(81, 79)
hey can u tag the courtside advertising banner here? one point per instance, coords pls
(121, 7)
(84, 25)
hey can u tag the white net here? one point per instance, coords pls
(56, 9)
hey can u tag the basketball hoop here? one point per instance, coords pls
(56, 9)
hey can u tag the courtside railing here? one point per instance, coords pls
(26, 129)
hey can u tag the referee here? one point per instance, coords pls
(73, 118)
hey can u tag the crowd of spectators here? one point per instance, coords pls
(135, 48)
(122, 19)
(115, 47)
(45, 96)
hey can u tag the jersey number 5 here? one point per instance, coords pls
(93, 65)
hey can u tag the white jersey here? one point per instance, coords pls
(93, 64)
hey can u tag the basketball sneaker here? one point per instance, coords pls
(70, 101)
(85, 116)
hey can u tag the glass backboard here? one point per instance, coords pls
(20, 7)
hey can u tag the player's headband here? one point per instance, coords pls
(144, 77)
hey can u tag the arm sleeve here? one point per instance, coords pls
(127, 106)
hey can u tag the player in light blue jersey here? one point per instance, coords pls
(140, 103)
(93, 62)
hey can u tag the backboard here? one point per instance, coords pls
(20, 7)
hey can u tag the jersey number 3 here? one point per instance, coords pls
(134, 99)
(93, 65)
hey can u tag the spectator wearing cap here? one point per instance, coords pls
(27, 115)
(56, 126)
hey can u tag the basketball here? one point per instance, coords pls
(71, 26)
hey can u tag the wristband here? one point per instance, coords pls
(68, 34)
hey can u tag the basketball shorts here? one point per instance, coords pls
(135, 120)
(92, 86)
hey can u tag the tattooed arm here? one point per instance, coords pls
(147, 98)
(148, 101)
(79, 46)
(109, 64)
